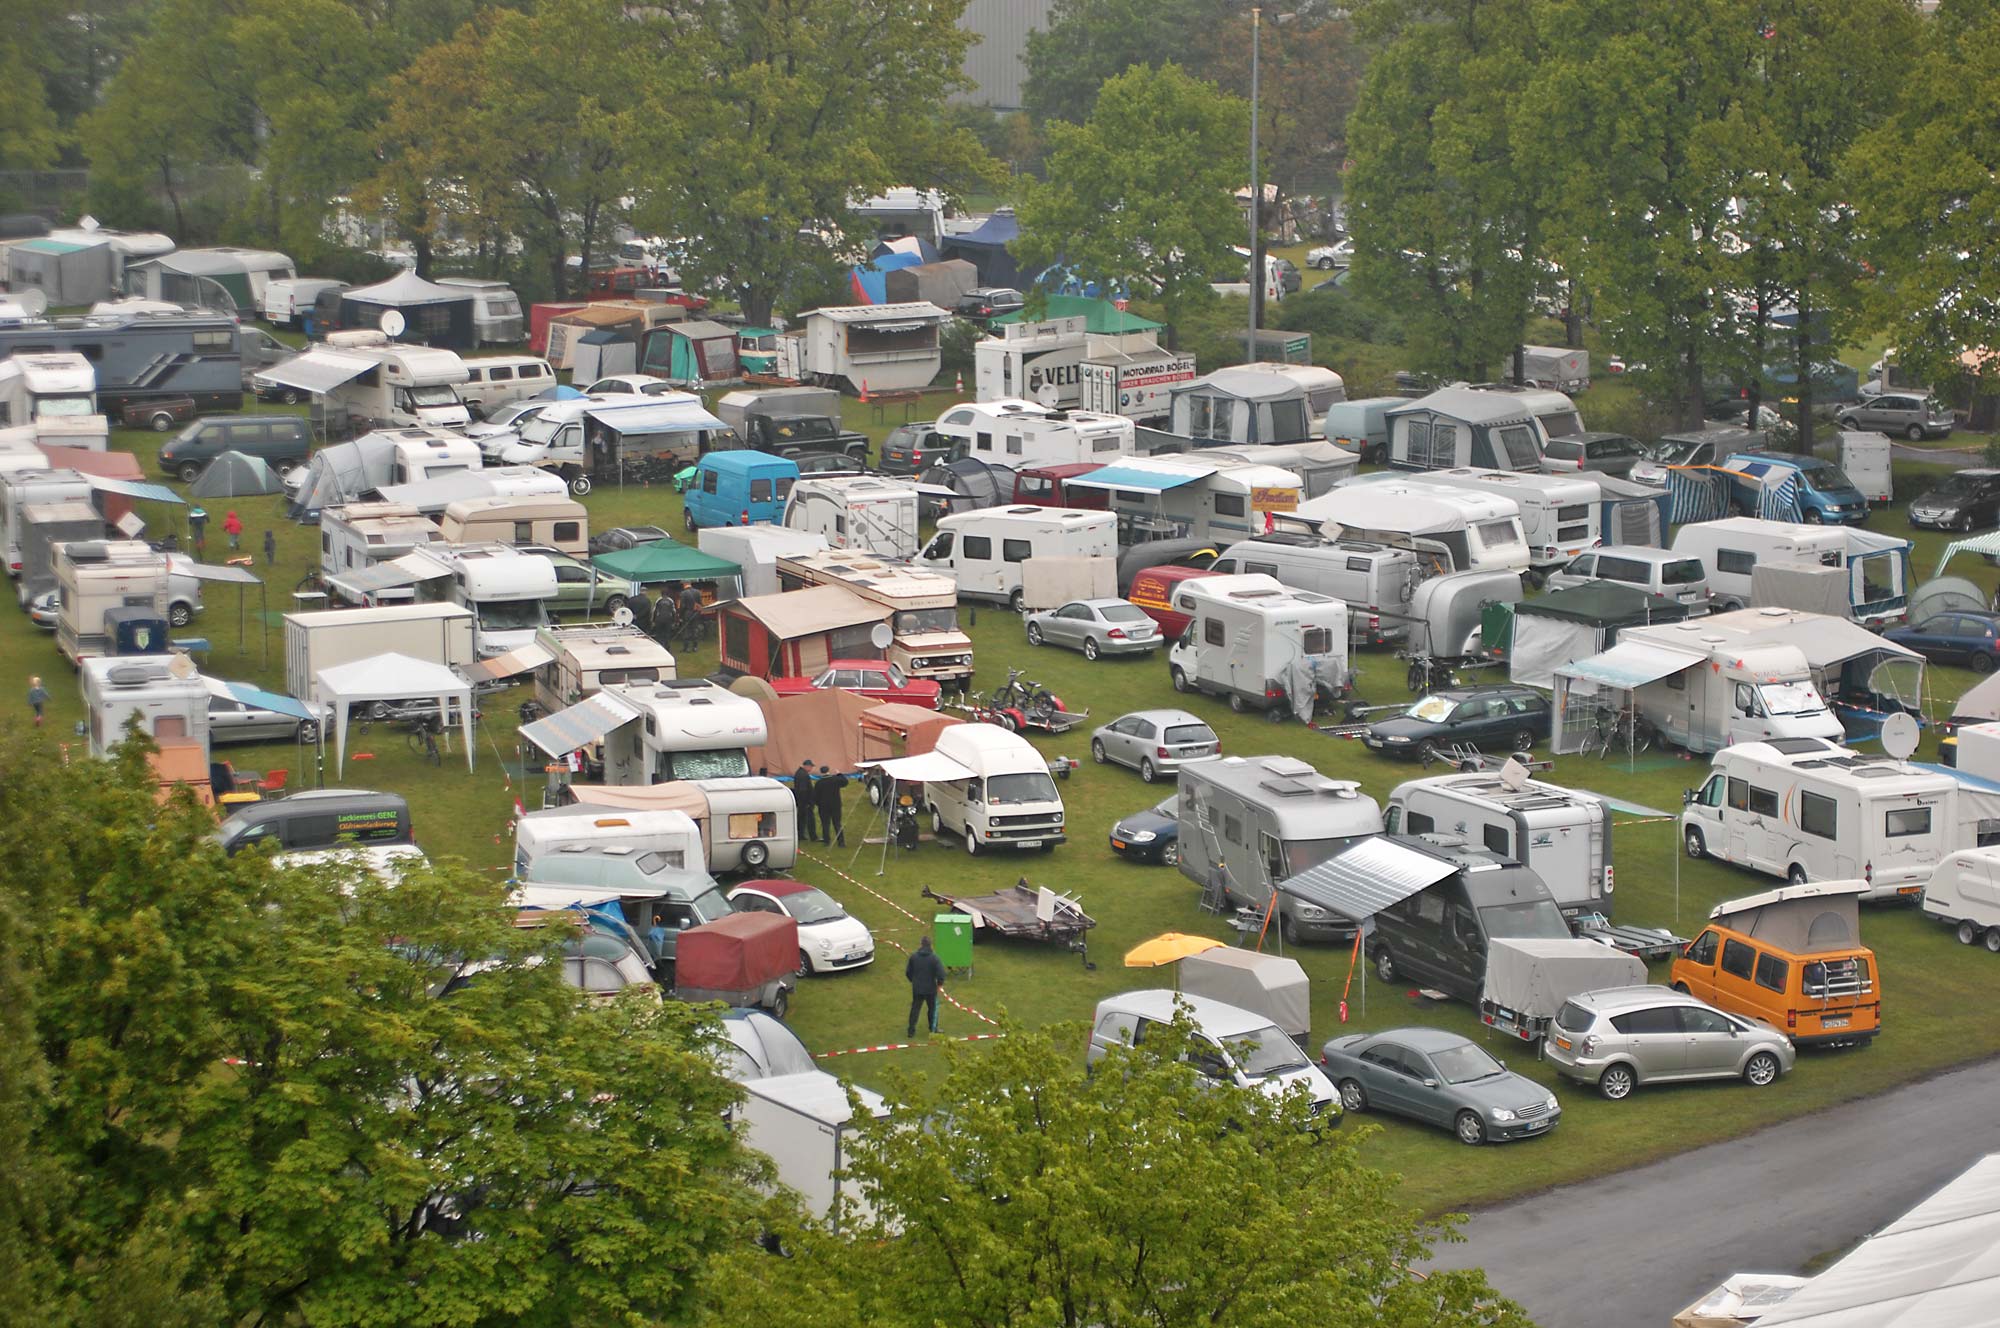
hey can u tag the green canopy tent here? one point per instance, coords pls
(665, 560)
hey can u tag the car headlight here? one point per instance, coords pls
(1143, 837)
(1551, 1103)
(1311, 912)
(1058, 818)
(1502, 1115)
(1398, 738)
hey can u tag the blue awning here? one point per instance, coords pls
(154, 493)
(1139, 477)
(263, 700)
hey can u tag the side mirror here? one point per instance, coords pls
(1687, 796)
(1430, 1083)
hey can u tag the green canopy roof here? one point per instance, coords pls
(1099, 316)
(665, 560)
(1605, 603)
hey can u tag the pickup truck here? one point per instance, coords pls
(789, 421)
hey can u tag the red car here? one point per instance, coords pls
(876, 679)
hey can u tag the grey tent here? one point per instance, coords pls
(235, 475)
(1270, 985)
(343, 472)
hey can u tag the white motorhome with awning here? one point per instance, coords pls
(1193, 496)
(376, 383)
(658, 731)
(358, 535)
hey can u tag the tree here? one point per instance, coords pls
(1087, 43)
(1160, 219)
(1310, 77)
(1135, 1195)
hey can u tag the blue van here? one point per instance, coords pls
(1826, 495)
(739, 488)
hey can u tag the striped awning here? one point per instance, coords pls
(1368, 876)
(530, 656)
(580, 725)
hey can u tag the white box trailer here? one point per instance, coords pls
(1964, 894)
(1865, 458)
(670, 834)
(1562, 835)
(804, 1124)
(757, 549)
(435, 633)
(1138, 384)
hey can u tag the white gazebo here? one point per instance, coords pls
(392, 677)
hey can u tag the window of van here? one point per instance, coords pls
(1763, 802)
(1623, 569)
(1738, 959)
(760, 491)
(978, 548)
(1498, 840)
(1735, 562)
(1681, 572)
(1739, 794)
(1211, 631)
(708, 481)
(1703, 949)
(1229, 504)
(1772, 972)
(1358, 565)
(1420, 824)
(1527, 918)
(1268, 569)
(1015, 551)
(1903, 821)
(500, 373)
(1819, 815)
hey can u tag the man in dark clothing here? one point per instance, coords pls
(926, 974)
(826, 797)
(642, 610)
(689, 606)
(802, 795)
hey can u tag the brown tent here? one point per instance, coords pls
(822, 726)
(916, 727)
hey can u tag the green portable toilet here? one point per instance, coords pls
(951, 937)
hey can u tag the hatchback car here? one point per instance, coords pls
(1229, 1045)
(1597, 453)
(1910, 414)
(620, 384)
(1154, 742)
(910, 449)
(1153, 835)
(583, 591)
(1971, 639)
(876, 679)
(1622, 1037)
(1096, 627)
(45, 608)
(1969, 500)
(1698, 447)
(1441, 1079)
(1509, 717)
(1327, 257)
(830, 941)
(990, 301)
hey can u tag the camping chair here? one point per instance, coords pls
(274, 781)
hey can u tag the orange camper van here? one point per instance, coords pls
(1793, 958)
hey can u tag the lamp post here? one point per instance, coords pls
(1256, 194)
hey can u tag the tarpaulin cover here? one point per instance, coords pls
(389, 574)
(1805, 919)
(811, 610)
(257, 696)
(918, 727)
(1988, 543)
(1533, 977)
(1539, 645)
(1808, 587)
(737, 953)
(682, 795)
(1137, 475)
(929, 768)
(239, 576)
(1270, 985)
(683, 415)
(823, 726)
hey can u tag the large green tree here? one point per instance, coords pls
(1087, 43)
(1160, 220)
(1017, 1188)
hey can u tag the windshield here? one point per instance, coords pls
(720, 764)
(1122, 613)
(1464, 1064)
(811, 906)
(1033, 786)
(437, 394)
(1169, 809)
(541, 429)
(1573, 1018)
(912, 622)
(1826, 479)
(711, 905)
(510, 615)
(1790, 698)
(1303, 853)
(1528, 918)
(503, 306)
(1965, 482)
(1682, 572)
(55, 408)
(1673, 454)
(1432, 710)
(1265, 1052)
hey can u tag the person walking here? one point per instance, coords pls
(198, 528)
(802, 796)
(827, 791)
(926, 974)
(689, 606)
(232, 526)
(270, 549)
(38, 696)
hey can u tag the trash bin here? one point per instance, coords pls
(951, 937)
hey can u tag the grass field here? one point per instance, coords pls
(1937, 992)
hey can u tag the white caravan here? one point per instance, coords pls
(663, 831)
(496, 310)
(1964, 894)
(46, 386)
(357, 535)
(1193, 496)
(507, 590)
(418, 455)
(1559, 514)
(1481, 531)
(685, 729)
(868, 513)
(984, 551)
(1016, 433)
(1261, 646)
(1878, 566)
(1562, 835)
(1808, 809)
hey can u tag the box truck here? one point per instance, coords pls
(436, 633)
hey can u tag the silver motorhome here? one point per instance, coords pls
(1562, 834)
(143, 357)
(1248, 822)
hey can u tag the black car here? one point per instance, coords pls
(990, 301)
(1494, 719)
(1968, 500)
(1153, 835)
(619, 538)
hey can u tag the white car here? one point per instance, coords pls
(642, 384)
(1328, 257)
(829, 940)
(503, 426)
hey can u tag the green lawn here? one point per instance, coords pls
(1936, 991)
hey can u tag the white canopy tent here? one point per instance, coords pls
(392, 677)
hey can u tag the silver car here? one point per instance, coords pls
(1622, 1037)
(235, 719)
(1910, 414)
(1096, 627)
(1154, 742)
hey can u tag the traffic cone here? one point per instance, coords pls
(958, 382)
(864, 389)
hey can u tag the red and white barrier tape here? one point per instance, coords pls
(907, 1046)
(949, 998)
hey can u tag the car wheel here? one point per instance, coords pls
(1682, 988)
(1429, 752)
(162, 421)
(937, 821)
(1385, 965)
(1171, 854)
(1811, 516)
(1097, 751)
(190, 473)
(379, 710)
(1470, 1129)
(1617, 1082)
(971, 843)
(805, 968)
(1524, 741)
(1286, 931)
(1090, 647)
(781, 1006)
(579, 485)
(180, 615)
(1018, 602)
(1178, 677)
(1965, 524)
(1762, 1071)
(1982, 663)
(1034, 634)
(1993, 940)
(1353, 1097)
(1968, 932)
(1795, 874)
(1697, 847)
(756, 855)
(1237, 703)
(292, 396)
(687, 518)
(1146, 771)
(1915, 433)
(614, 603)
(308, 731)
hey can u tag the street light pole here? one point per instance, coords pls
(1256, 193)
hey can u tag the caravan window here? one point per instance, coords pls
(1211, 631)
(1907, 821)
(983, 442)
(978, 548)
(1819, 815)
(1498, 840)
(1419, 435)
(1232, 829)
(1229, 504)
(1517, 443)
(1420, 824)
(1288, 421)
(1013, 444)
(1763, 802)
(1735, 562)
(1739, 794)
(1316, 640)
(1016, 551)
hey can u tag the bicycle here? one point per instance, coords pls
(422, 739)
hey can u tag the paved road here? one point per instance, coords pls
(1943, 456)
(1635, 1248)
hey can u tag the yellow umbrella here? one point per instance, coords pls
(1168, 948)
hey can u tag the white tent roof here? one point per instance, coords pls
(393, 677)
(924, 768)
(407, 289)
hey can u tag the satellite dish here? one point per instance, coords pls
(1899, 735)
(880, 636)
(392, 323)
(181, 666)
(621, 616)
(1049, 395)
(1514, 775)
(34, 303)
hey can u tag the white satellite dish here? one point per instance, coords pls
(880, 636)
(1514, 775)
(34, 303)
(1899, 735)
(621, 616)
(1049, 395)
(181, 665)
(393, 323)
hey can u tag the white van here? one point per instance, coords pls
(496, 310)
(493, 381)
(1006, 799)
(1964, 894)
(984, 551)
(1662, 572)
(1810, 810)
(287, 300)
(1261, 646)
(1231, 1045)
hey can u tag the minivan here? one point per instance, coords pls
(1825, 494)
(1662, 572)
(319, 819)
(1622, 1037)
(1793, 958)
(281, 442)
(1439, 936)
(1910, 414)
(493, 381)
(1230, 1045)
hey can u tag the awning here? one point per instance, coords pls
(530, 656)
(257, 696)
(389, 574)
(582, 724)
(556, 897)
(1630, 664)
(655, 417)
(1141, 477)
(1368, 876)
(155, 493)
(241, 576)
(929, 768)
(317, 371)
(665, 560)
(810, 610)
(890, 327)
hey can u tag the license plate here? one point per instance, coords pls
(1563, 1042)
(1833, 1023)
(1119, 844)
(1535, 1125)
(1031, 843)
(1910, 890)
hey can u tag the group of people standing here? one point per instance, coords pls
(675, 616)
(818, 799)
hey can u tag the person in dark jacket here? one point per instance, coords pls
(689, 606)
(926, 974)
(802, 795)
(642, 610)
(826, 798)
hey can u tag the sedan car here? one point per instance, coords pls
(503, 426)
(1597, 453)
(641, 384)
(1154, 742)
(241, 717)
(876, 679)
(1503, 717)
(1441, 1079)
(989, 301)
(583, 591)
(829, 940)
(1096, 627)
(1910, 414)
(1971, 639)
(626, 537)
(1328, 257)
(1625, 1036)
(1153, 835)
(1969, 500)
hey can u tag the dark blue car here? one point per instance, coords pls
(1953, 637)
(1153, 835)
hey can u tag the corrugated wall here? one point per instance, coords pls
(994, 64)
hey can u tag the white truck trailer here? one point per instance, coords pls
(436, 633)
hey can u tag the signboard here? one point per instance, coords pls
(1139, 390)
(1274, 500)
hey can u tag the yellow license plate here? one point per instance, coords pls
(1563, 1042)
(1119, 843)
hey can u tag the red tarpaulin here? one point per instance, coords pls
(738, 953)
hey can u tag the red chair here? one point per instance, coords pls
(275, 780)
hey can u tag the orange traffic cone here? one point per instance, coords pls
(958, 382)
(864, 389)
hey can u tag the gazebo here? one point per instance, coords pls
(392, 677)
